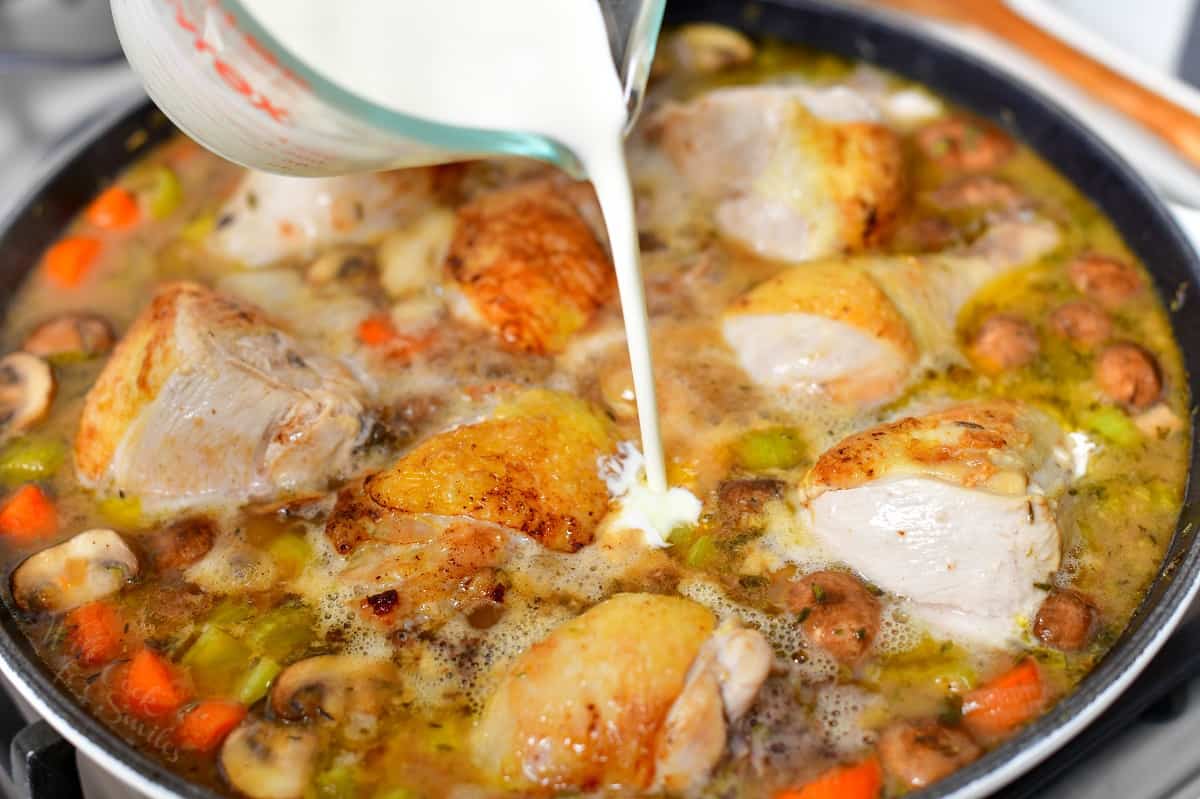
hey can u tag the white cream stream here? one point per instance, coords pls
(537, 65)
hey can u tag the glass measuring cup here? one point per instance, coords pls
(228, 83)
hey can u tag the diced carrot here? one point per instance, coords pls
(379, 333)
(95, 632)
(114, 209)
(998, 707)
(207, 724)
(28, 514)
(862, 780)
(70, 259)
(375, 331)
(149, 687)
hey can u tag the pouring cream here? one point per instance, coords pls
(532, 65)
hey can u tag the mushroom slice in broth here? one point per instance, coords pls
(264, 760)
(90, 566)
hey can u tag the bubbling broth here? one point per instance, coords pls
(329, 488)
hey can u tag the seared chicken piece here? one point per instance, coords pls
(529, 266)
(205, 403)
(855, 328)
(953, 510)
(530, 468)
(796, 172)
(722, 684)
(634, 693)
(270, 217)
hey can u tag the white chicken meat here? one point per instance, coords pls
(953, 510)
(207, 403)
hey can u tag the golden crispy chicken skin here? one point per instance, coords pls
(205, 401)
(529, 265)
(530, 468)
(583, 708)
(970, 445)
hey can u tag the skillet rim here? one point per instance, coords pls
(856, 32)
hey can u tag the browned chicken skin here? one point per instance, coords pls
(529, 265)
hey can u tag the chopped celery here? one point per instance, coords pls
(681, 536)
(255, 683)
(216, 660)
(337, 782)
(291, 552)
(166, 193)
(1113, 424)
(770, 448)
(701, 551)
(31, 458)
(231, 612)
(122, 511)
(283, 633)
(197, 230)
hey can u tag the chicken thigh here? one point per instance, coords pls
(528, 264)
(795, 172)
(856, 327)
(531, 467)
(634, 693)
(953, 510)
(270, 217)
(205, 402)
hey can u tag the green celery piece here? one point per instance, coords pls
(1113, 424)
(291, 551)
(701, 551)
(122, 511)
(282, 633)
(338, 782)
(256, 682)
(215, 661)
(681, 536)
(30, 458)
(198, 229)
(166, 193)
(770, 448)
(232, 612)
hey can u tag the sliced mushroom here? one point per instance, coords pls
(85, 568)
(78, 334)
(269, 761)
(26, 391)
(334, 687)
(837, 613)
(703, 48)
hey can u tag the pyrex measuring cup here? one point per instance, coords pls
(226, 82)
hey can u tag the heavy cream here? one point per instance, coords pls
(523, 65)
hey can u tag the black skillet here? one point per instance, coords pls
(1144, 222)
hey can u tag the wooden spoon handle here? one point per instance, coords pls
(1173, 123)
